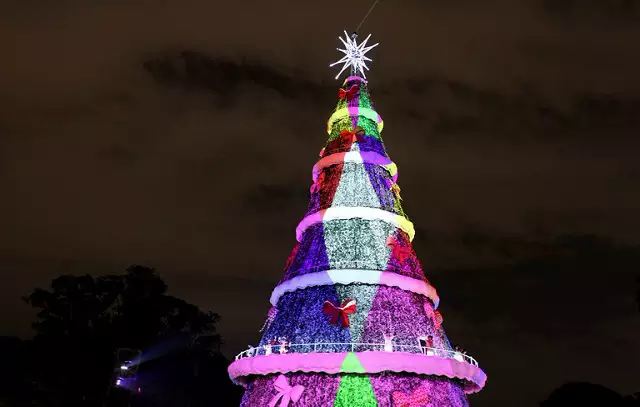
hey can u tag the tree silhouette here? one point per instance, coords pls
(83, 320)
(588, 395)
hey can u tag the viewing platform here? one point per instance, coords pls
(370, 358)
(324, 347)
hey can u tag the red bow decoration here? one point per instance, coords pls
(349, 136)
(348, 93)
(419, 398)
(352, 135)
(433, 314)
(402, 253)
(339, 315)
(292, 256)
(315, 187)
(428, 309)
(398, 250)
(437, 319)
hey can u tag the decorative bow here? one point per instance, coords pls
(339, 315)
(428, 309)
(292, 256)
(315, 187)
(437, 319)
(402, 253)
(349, 135)
(286, 392)
(419, 398)
(433, 314)
(348, 93)
(398, 250)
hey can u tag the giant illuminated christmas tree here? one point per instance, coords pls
(354, 321)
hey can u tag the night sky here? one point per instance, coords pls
(180, 134)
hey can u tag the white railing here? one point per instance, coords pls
(320, 347)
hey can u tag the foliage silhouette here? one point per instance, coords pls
(83, 321)
(588, 395)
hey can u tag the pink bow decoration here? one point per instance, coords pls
(339, 315)
(286, 392)
(419, 398)
(348, 93)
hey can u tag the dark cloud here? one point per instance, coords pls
(274, 198)
(223, 77)
(613, 11)
(117, 154)
(454, 109)
(569, 298)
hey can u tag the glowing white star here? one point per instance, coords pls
(354, 54)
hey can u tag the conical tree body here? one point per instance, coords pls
(354, 319)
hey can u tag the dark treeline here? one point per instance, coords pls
(589, 395)
(88, 327)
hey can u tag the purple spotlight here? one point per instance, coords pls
(118, 382)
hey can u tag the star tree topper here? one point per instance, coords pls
(354, 54)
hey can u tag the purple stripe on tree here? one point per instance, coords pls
(300, 320)
(311, 254)
(402, 315)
